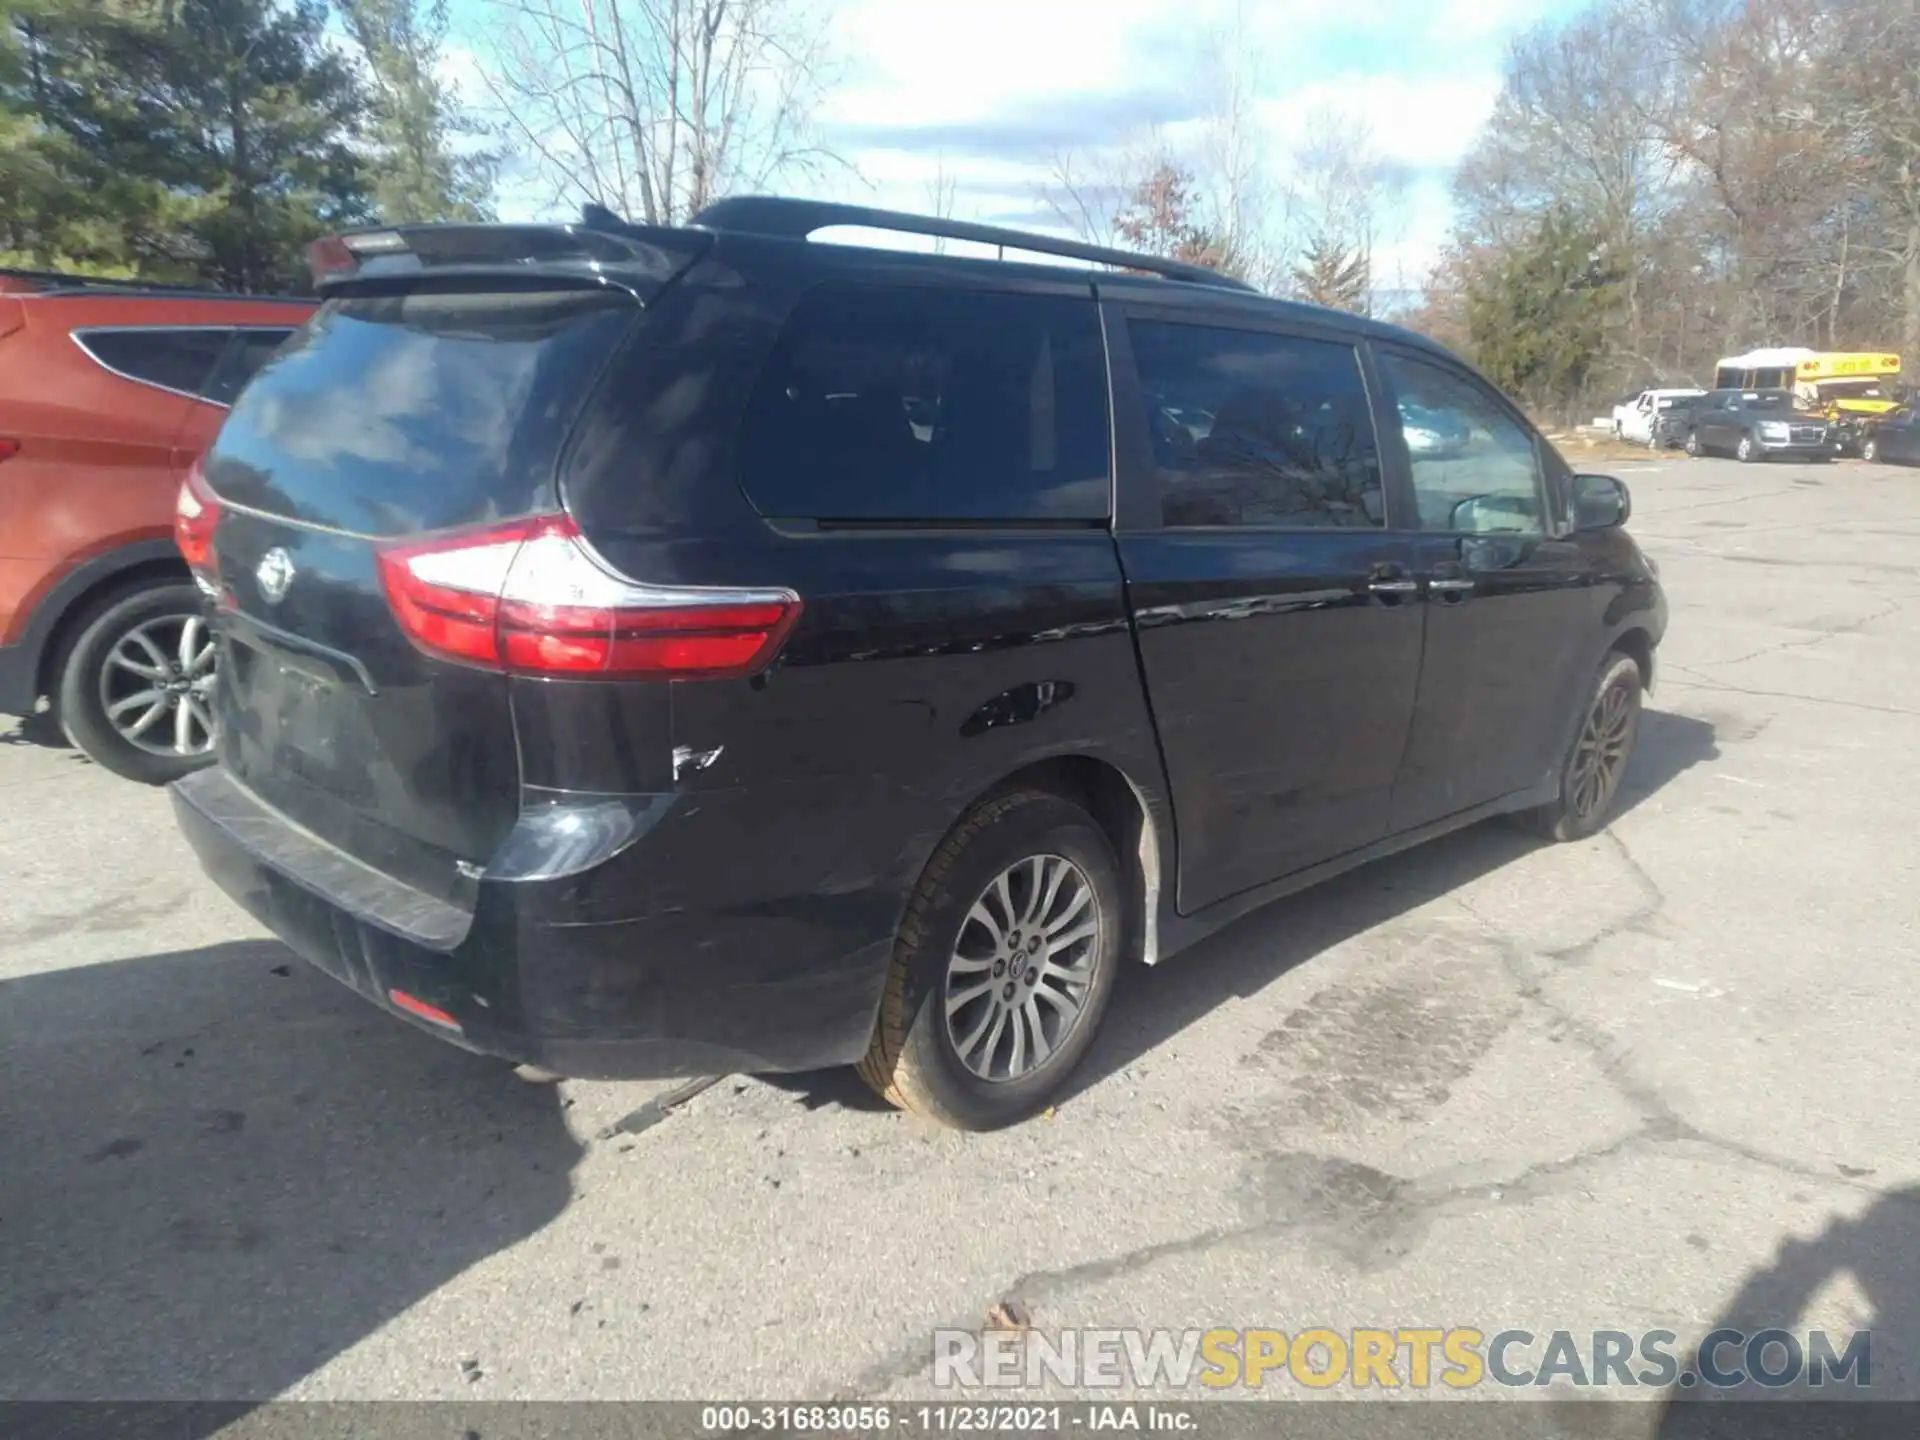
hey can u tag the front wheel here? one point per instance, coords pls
(133, 691)
(1602, 748)
(1694, 448)
(1003, 965)
(1746, 452)
(1870, 452)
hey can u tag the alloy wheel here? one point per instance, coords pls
(1023, 967)
(1600, 756)
(154, 686)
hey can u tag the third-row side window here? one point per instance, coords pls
(899, 403)
(193, 360)
(1251, 428)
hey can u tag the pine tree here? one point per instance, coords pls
(205, 138)
(422, 173)
(1539, 315)
(1331, 274)
(63, 202)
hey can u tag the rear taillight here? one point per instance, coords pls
(529, 597)
(195, 515)
(9, 447)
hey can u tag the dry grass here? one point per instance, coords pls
(1581, 446)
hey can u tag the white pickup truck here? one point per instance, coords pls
(1633, 419)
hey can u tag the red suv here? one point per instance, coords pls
(108, 393)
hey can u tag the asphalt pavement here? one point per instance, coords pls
(1662, 1079)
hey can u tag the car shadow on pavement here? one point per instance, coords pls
(39, 729)
(1150, 1006)
(1880, 1252)
(220, 1170)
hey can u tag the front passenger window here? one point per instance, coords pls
(1475, 469)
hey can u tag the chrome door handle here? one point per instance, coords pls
(1394, 587)
(1450, 587)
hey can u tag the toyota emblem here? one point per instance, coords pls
(275, 574)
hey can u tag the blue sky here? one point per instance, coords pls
(986, 90)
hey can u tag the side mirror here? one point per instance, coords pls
(1600, 502)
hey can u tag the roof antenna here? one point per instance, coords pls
(599, 217)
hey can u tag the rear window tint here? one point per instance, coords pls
(175, 359)
(915, 404)
(398, 413)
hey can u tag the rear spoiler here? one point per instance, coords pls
(601, 249)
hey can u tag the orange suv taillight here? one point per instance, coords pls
(529, 597)
(196, 514)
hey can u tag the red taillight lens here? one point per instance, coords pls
(195, 516)
(9, 447)
(530, 598)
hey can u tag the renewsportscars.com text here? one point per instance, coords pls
(1400, 1357)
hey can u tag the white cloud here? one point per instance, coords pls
(1422, 121)
(984, 92)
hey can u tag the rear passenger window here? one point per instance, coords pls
(175, 359)
(1257, 429)
(909, 404)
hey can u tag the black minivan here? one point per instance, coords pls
(654, 651)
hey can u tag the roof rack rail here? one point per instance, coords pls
(61, 282)
(797, 219)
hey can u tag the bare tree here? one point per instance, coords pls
(1341, 191)
(1087, 190)
(943, 191)
(659, 107)
(1211, 194)
(1872, 104)
(1239, 202)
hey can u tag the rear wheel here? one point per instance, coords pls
(133, 690)
(1597, 762)
(1870, 451)
(1694, 447)
(1003, 966)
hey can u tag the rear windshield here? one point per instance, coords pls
(397, 413)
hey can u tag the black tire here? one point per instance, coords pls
(1747, 452)
(914, 1061)
(1567, 818)
(1694, 447)
(81, 692)
(1870, 451)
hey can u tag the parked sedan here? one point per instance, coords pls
(1756, 425)
(1895, 440)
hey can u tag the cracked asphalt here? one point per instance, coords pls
(1663, 1079)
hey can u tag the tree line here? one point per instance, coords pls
(1663, 182)
(1660, 182)
(209, 141)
